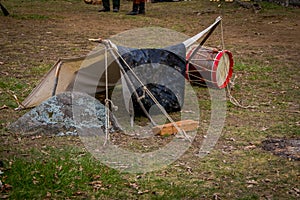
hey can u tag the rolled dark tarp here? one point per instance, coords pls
(162, 71)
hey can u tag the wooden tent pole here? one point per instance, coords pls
(59, 63)
(204, 40)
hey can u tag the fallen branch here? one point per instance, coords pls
(16, 99)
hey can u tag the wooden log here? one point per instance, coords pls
(169, 129)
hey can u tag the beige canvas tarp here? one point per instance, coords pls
(84, 74)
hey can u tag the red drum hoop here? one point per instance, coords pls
(209, 67)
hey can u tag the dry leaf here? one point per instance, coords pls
(36, 137)
(95, 177)
(253, 182)
(134, 185)
(250, 147)
(79, 193)
(5, 196)
(143, 192)
(216, 196)
(97, 185)
(34, 181)
(3, 107)
(48, 195)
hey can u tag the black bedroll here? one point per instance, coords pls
(162, 73)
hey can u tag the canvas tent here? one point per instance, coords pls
(111, 64)
(61, 76)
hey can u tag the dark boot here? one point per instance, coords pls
(116, 9)
(134, 11)
(142, 8)
(104, 10)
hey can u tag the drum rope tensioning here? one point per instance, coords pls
(209, 66)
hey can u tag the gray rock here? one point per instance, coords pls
(63, 114)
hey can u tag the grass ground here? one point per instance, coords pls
(265, 46)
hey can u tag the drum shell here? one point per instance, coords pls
(202, 68)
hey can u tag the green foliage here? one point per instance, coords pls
(62, 173)
(40, 70)
(10, 86)
(271, 6)
(252, 67)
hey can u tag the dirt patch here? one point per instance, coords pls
(289, 148)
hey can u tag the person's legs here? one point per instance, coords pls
(135, 8)
(106, 6)
(142, 7)
(116, 5)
